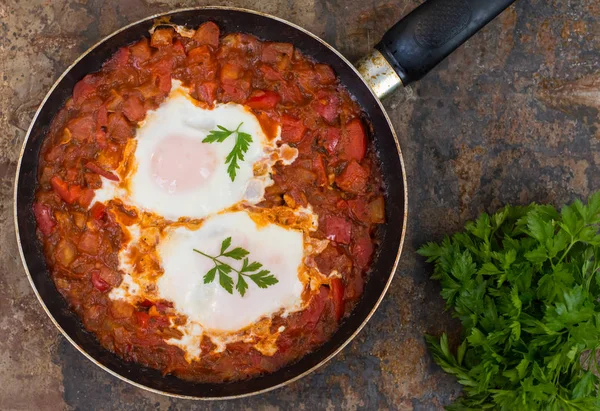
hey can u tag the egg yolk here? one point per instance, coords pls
(182, 164)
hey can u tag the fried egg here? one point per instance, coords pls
(171, 172)
(164, 265)
(210, 304)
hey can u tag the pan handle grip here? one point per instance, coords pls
(427, 35)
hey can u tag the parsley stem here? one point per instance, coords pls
(219, 262)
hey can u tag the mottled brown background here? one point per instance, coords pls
(510, 117)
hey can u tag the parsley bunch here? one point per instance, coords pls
(525, 283)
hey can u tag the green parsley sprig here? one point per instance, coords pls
(525, 283)
(262, 278)
(241, 146)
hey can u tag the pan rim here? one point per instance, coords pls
(283, 383)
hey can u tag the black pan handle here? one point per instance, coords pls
(426, 36)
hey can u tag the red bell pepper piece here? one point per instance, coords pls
(98, 283)
(319, 169)
(354, 141)
(207, 34)
(143, 318)
(337, 295)
(92, 166)
(292, 129)
(263, 100)
(353, 179)
(44, 218)
(98, 211)
(133, 108)
(68, 194)
(359, 210)
(362, 250)
(338, 229)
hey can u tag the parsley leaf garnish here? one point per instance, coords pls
(525, 283)
(262, 278)
(241, 146)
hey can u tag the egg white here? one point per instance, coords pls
(280, 250)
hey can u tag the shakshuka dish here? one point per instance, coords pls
(208, 203)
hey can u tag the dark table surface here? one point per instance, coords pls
(511, 117)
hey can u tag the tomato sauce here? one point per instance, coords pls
(335, 172)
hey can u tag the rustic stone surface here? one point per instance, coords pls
(511, 117)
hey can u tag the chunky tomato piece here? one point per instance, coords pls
(91, 104)
(324, 74)
(101, 139)
(98, 211)
(353, 179)
(354, 141)
(362, 250)
(101, 118)
(199, 56)
(89, 243)
(118, 127)
(276, 52)
(235, 83)
(142, 318)
(312, 314)
(269, 73)
(82, 128)
(72, 175)
(292, 129)
(337, 295)
(44, 218)
(236, 91)
(162, 71)
(263, 100)
(162, 38)
(85, 89)
(98, 283)
(330, 138)
(141, 51)
(133, 108)
(178, 51)
(359, 210)
(307, 78)
(207, 34)
(290, 93)
(207, 91)
(320, 170)
(119, 59)
(327, 104)
(85, 197)
(338, 229)
(93, 166)
(245, 43)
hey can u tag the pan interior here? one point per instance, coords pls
(390, 234)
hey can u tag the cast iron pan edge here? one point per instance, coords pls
(152, 380)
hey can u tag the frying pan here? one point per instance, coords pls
(406, 53)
